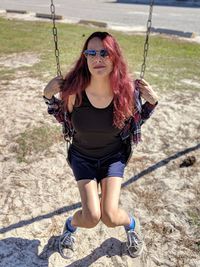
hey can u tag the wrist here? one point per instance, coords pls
(153, 103)
(49, 100)
(152, 99)
(49, 92)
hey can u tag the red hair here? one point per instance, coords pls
(79, 78)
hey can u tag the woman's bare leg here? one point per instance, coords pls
(111, 214)
(90, 214)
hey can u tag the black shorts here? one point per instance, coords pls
(85, 167)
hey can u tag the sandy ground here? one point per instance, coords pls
(37, 196)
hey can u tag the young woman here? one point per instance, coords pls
(101, 101)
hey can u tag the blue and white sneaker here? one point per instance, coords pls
(67, 243)
(134, 243)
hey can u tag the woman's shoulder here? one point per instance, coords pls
(71, 102)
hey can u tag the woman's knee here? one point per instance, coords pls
(108, 217)
(91, 218)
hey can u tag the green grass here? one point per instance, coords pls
(195, 221)
(6, 74)
(36, 140)
(194, 217)
(169, 60)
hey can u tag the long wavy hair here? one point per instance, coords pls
(78, 78)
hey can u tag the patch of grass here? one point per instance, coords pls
(194, 211)
(169, 60)
(36, 140)
(7, 74)
(194, 217)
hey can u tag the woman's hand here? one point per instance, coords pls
(53, 87)
(147, 92)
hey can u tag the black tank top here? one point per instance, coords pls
(95, 136)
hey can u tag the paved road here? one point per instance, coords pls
(132, 16)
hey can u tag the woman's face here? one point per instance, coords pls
(99, 65)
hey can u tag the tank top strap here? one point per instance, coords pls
(85, 100)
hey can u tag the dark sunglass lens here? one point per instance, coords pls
(91, 52)
(103, 53)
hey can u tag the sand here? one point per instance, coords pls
(38, 195)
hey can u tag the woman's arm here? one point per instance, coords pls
(53, 87)
(54, 104)
(147, 92)
(144, 90)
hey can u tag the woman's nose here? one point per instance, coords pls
(98, 58)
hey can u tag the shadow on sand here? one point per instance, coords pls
(24, 252)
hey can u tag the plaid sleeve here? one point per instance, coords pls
(147, 110)
(54, 107)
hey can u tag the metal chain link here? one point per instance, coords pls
(55, 35)
(146, 44)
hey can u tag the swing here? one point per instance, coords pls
(130, 128)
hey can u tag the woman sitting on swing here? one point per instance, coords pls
(100, 98)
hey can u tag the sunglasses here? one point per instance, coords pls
(92, 53)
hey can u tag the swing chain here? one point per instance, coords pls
(146, 44)
(55, 35)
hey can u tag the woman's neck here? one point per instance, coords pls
(100, 87)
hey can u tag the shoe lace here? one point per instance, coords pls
(134, 240)
(67, 240)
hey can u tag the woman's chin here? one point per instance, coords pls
(100, 73)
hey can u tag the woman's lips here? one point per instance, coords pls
(99, 67)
